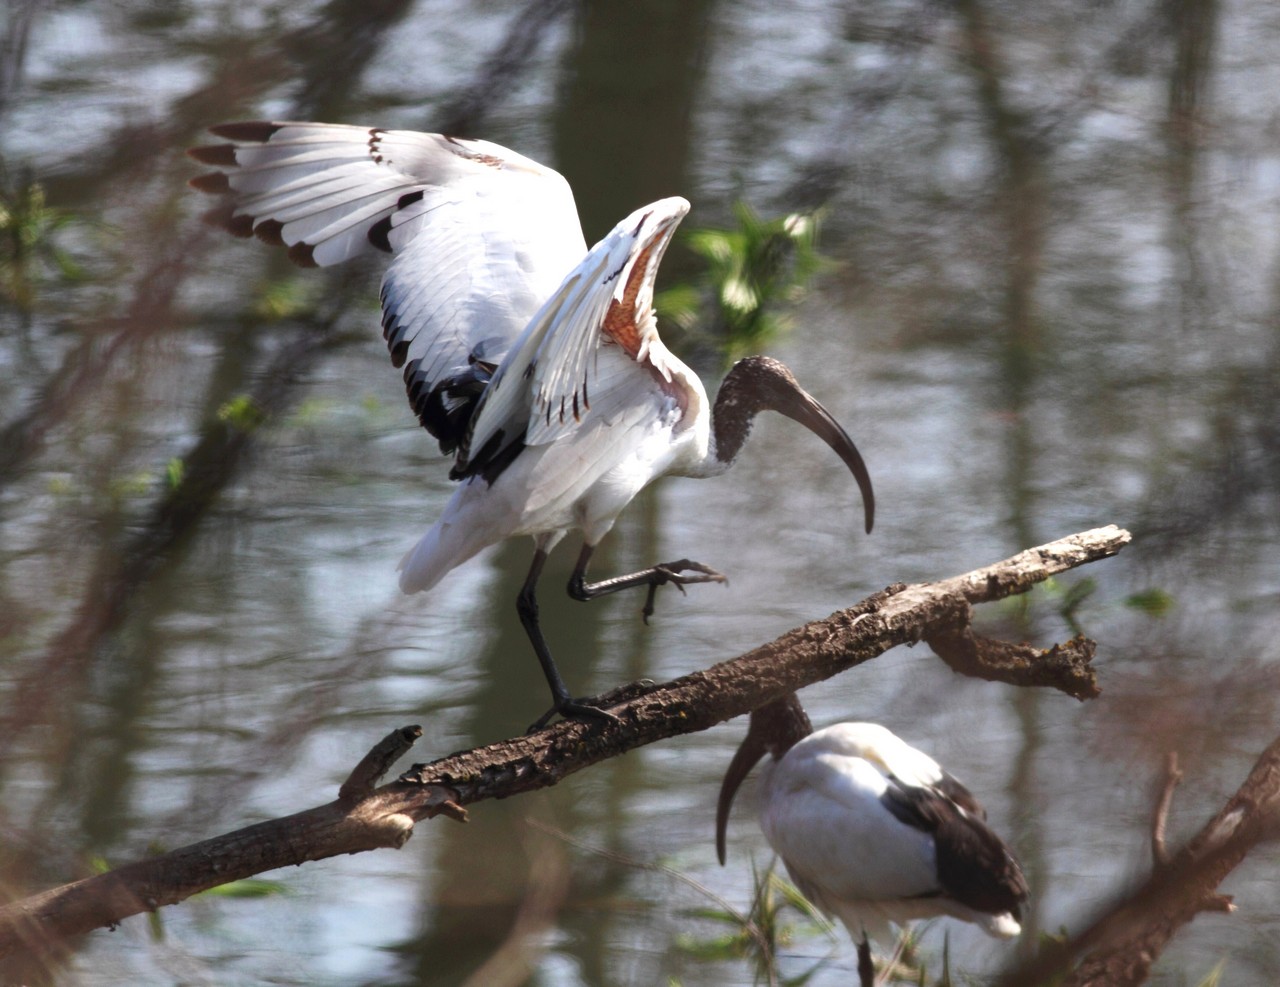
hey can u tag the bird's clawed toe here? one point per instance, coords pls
(574, 709)
(701, 573)
(674, 573)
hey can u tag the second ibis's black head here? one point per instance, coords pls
(758, 383)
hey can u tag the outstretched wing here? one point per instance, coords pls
(479, 236)
(554, 378)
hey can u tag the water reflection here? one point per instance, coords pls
(1052, 304)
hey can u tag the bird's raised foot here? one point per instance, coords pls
(673, 572)
(579, 709)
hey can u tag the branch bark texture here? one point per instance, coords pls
(367, 818)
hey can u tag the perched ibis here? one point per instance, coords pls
(871, 830)
(532, 360)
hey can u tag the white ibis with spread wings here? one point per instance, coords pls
(871, 829)
(534, 361)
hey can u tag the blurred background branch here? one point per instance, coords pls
(1120, 947)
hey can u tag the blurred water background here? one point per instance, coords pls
(1051, 300)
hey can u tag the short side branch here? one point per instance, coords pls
(1066, 666)
(374, 765)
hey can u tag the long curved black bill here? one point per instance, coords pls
(774, 729)
(744, 760)
(800, 406)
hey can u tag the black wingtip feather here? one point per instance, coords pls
(211, 183)
(268, 231)
(249, 131)
(380, 234)
(224, 217)
(303, 254)
(218, 155)
(241, 226)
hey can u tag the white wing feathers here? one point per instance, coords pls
(516, 402)
(481, 236)
(551, 381)
(489, 305)
(327, 186)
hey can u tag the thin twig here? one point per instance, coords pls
(1172, 775)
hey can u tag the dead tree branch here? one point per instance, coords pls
(367, 818)
(1120, 948)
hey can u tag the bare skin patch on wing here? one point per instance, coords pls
(621, 322)
(463, 151)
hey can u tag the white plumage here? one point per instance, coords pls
(872, 830)
(536, 362)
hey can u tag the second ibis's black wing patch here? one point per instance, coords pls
(975, 867)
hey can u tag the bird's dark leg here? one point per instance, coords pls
(527, 607)
(866, 969)
(653, 577)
